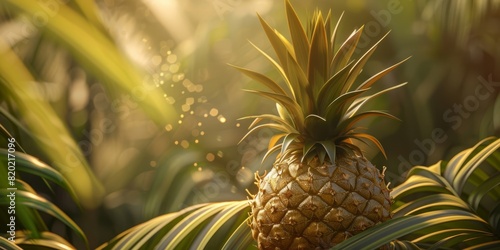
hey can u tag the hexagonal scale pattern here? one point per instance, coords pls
(316, 206)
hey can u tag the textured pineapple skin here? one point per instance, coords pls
(316, 206)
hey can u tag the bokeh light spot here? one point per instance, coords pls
(214, 112)
(174, 68)
(164, 67)
(185, 144)
(222, 119)
(198, 88)
(210, 157)
(156, 60)
(169, 127)
(170, 100)
(171, 58)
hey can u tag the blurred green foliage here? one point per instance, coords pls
(140, 95)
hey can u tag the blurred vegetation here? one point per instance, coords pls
(133, 104)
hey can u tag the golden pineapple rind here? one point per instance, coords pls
(316, 206)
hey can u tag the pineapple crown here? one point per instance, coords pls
(318, 104)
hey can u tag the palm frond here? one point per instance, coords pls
(47, 240)
(205, 226)
(52, 136)
(171, 185)
(447, 205)
(8, 245)
(29, 204)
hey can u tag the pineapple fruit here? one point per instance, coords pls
(321, 189)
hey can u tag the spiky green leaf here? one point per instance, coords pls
(272, 85)
(343, 55)
(318, 57)
(299, 37)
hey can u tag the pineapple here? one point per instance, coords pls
(320, 189)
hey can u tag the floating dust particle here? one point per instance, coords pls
(182, 115)
(198, 88)
(172, 85)
(220, 154)
(169, 52)
(210, 157)
(163, 50)
(190, 100)
(153, 164)
(161, 74)
(200, 169)
(186, 83)
(195, 164)
(234, 189)
(144, 40)
(184, 144)
(156, 60)
(174, 68)
(170, 100)
(185, 107)
(169, 127)
(172, 58)
(165, 95)
(191, 112)
(222, 119)
(177, 78)
(238, 125)
(205, 115)
(191, 88)
(202, 133)
(214, 112)
(199, 124)
(176, 142)
(196, 141)
(202, 99)
(180, 122)
(219, 138)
